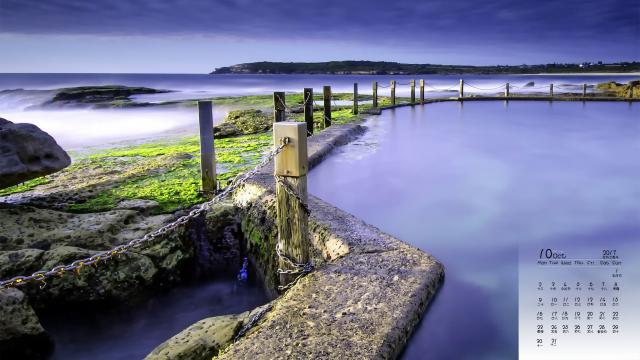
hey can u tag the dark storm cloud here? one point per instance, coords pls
(466, 21)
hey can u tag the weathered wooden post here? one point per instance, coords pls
(290, 170)
(355, 98)
(506, 90)
(412, 83)
(461, 92)
(393, 92)
(375, 94)
(551, 89)
(326, 93)
(278, 106)
(584, 90)
(421, 91)
(308, 109)
(207, 151)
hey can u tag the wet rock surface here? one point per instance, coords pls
(21, 335)
(26, 152)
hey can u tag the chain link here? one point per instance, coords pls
(298, 268)
(41, 276)
(252, 321)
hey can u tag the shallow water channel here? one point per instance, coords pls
(471, 183)
(132, 332)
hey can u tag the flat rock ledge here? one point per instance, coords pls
(365, 297)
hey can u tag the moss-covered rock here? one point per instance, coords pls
(243, 122)
(629, 90)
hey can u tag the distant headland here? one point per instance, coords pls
(394, 68)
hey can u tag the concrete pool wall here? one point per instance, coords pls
(367, 294)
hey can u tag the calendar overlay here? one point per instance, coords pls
(578, 304)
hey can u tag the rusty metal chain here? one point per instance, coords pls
(290, 191)
(252, 321)
(41, 276)
(298, 268)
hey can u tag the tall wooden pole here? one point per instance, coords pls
(278, 106)
(355, 98)
(307, 97)
(461, 92)
(584, 90)
(412, 83)
(506, 90)
(326, 93)
(207, 150)
(375, 94)
(551, 89)
(290, 170)
(393, 92)
(421, 91)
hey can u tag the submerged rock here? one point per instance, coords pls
(202, 340)
(26, 152)
(99, 94)
(21, 334)
(206, 338)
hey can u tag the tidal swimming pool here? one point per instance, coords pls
(471, 183)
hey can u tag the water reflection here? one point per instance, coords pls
(470, 184)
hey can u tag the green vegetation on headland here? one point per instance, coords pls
(385, 67)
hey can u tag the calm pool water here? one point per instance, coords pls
(471, 183)
(133, 332)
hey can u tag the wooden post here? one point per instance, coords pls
(355, 98)
(326, 92)
(461, 92)
(278, 106)
(393, 92)
(421, 91)
(412, 83)
(551, 90)
(584, 90)
(207, 151)
(308, 109)
(290, 170)
(375, 94)
(506, 90)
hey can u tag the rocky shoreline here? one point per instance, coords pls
(114, 195)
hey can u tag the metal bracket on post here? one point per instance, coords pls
(290, 170)
(207, 150)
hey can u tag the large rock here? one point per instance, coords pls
(26, 152)
(21, 335)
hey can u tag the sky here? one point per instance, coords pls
(196, 36)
